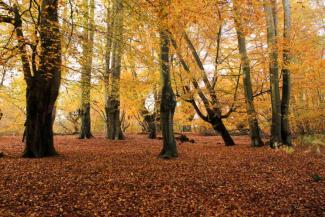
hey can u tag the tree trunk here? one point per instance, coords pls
(88, 40)
(149, 119)
(256, 140)
(157, 98)
(274, 74)
(108, 69)
(168, 101)
(43, 88)
(286, 89)
(113, 103)
(218, 126)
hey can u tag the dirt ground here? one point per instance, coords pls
(98, 177)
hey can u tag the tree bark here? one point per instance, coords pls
(108, 50)
(88, 41)
(168, 101)
(286, 89)
(218, 126)
(254, 129)
(274, 74)
(43, 87)
(113, 103)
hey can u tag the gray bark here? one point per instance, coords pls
(113, 101)
(255, 136)
(286, 89)
(274, 73)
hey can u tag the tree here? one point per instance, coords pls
(271, 22)
(214, 114)
(42, 81)
(113, 71)
(255, 136)
(86, 68)
(168, 99)
(286, 89)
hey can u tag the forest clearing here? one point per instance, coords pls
(98, 177)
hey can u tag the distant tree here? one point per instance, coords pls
(150, 122)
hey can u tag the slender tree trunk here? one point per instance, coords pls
(108, 69)
(168, 101)
(256, 140)
(274, 74)
(43, 87)
(88, 40)
(113, 106)
(286, 89)
(157, 98)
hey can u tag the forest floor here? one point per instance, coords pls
(125, 178)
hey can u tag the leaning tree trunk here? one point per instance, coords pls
(286, 89)
(274, 73)
(88, 40)
(255, 136)
(43, 88)
(216, 121)
(168, 101)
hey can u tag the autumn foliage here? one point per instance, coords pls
(231, 92)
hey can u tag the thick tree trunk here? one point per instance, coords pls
(88, 31)
(256, 140)
(43, 88)
(38, 132)
(168, 101)
(286, 89)
(274, 74)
